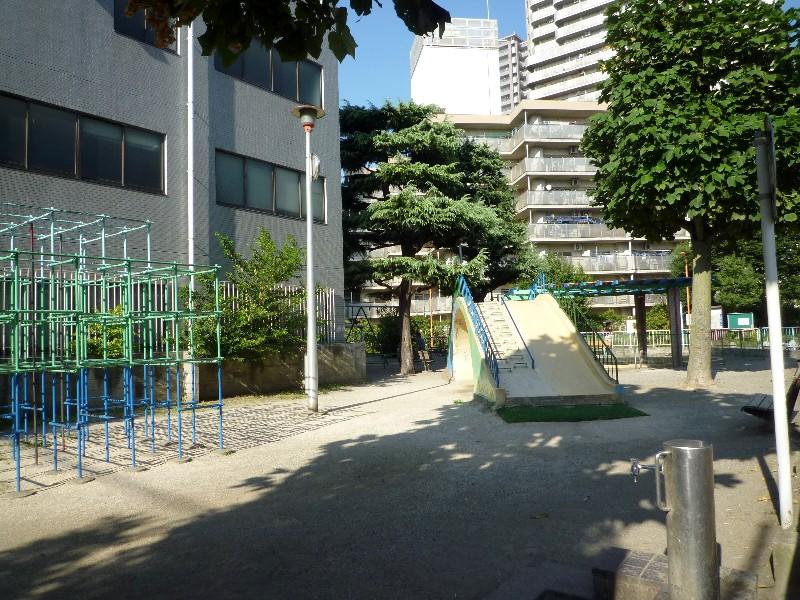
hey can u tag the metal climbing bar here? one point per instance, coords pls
(92, 330)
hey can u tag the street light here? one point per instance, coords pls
(308, 115)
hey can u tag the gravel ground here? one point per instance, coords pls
(402, 489)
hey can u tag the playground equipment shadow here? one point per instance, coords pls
(404, 492)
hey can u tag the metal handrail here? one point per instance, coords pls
(462, 289)
(519, 333)
(596, 342)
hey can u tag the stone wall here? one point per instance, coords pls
(337, 364)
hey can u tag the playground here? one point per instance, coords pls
(399, 488)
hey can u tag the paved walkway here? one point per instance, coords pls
(401, 490)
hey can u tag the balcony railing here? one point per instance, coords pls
(545, 131)
(553, 198)
(566, 67)
(568, 85)
(567, 31)
(580, 8)
(649, 299)
(548, 52)
(373, 310)
(543, 30)
(622, 263)
(554, 164)
(542, 13)
(544, 231)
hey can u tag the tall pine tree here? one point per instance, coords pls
(417, 183)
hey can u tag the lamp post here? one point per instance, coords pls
(308, 115)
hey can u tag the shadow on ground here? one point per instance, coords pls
(449, 508)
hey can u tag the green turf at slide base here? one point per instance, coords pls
(585, 412)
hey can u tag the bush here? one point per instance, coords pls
(264, 319)
(657, 317)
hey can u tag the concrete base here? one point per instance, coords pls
(786, 565)
(644, 576)
(82, 480)
(564, 400)
(20, 494)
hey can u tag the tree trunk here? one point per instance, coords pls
(698, 373)
(406, 351)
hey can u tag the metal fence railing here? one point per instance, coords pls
(752, 339)
(481, 331)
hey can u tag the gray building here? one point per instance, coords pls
(95, 118)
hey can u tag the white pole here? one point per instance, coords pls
(312, 384)
(766, 185)
(190, 145)
(776, 361)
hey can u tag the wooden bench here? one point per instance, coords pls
(427, 361)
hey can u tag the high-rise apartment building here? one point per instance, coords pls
(95, 118)
(512, 57)
(460, 71)
(566, 42)
(540, 140)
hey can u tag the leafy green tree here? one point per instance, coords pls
(738, 286)
(417, 184)
(296, 28)
(264, 317)
(657, 317)
(557, 272)
(689, 85)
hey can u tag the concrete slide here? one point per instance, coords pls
(565, 370)
(562, 359)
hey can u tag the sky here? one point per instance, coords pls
(380, 70)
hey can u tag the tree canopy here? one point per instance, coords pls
(296, 28)
(419, 185)
(689, 85)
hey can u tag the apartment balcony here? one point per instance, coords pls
(544, 132)
(557, 232)
(542, 14)
(374, 310)
(568, 67)
(385, 252)
(539, 32)
(501, 144)
(619, 301)
(559, 88)
(580, 8)
(555, 51)
(622, 263)
(579, 27)
(557, 165)
(553, 199)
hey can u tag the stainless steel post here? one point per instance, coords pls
(688, 467)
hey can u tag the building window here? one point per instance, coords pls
(143, 160)
(101, 151)
(51, 139)
(255, 184)
(13, 115)
(299, 81)
(61, 142)
(287, 192)
(310, 78)
(136, 25)
(230, 179)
